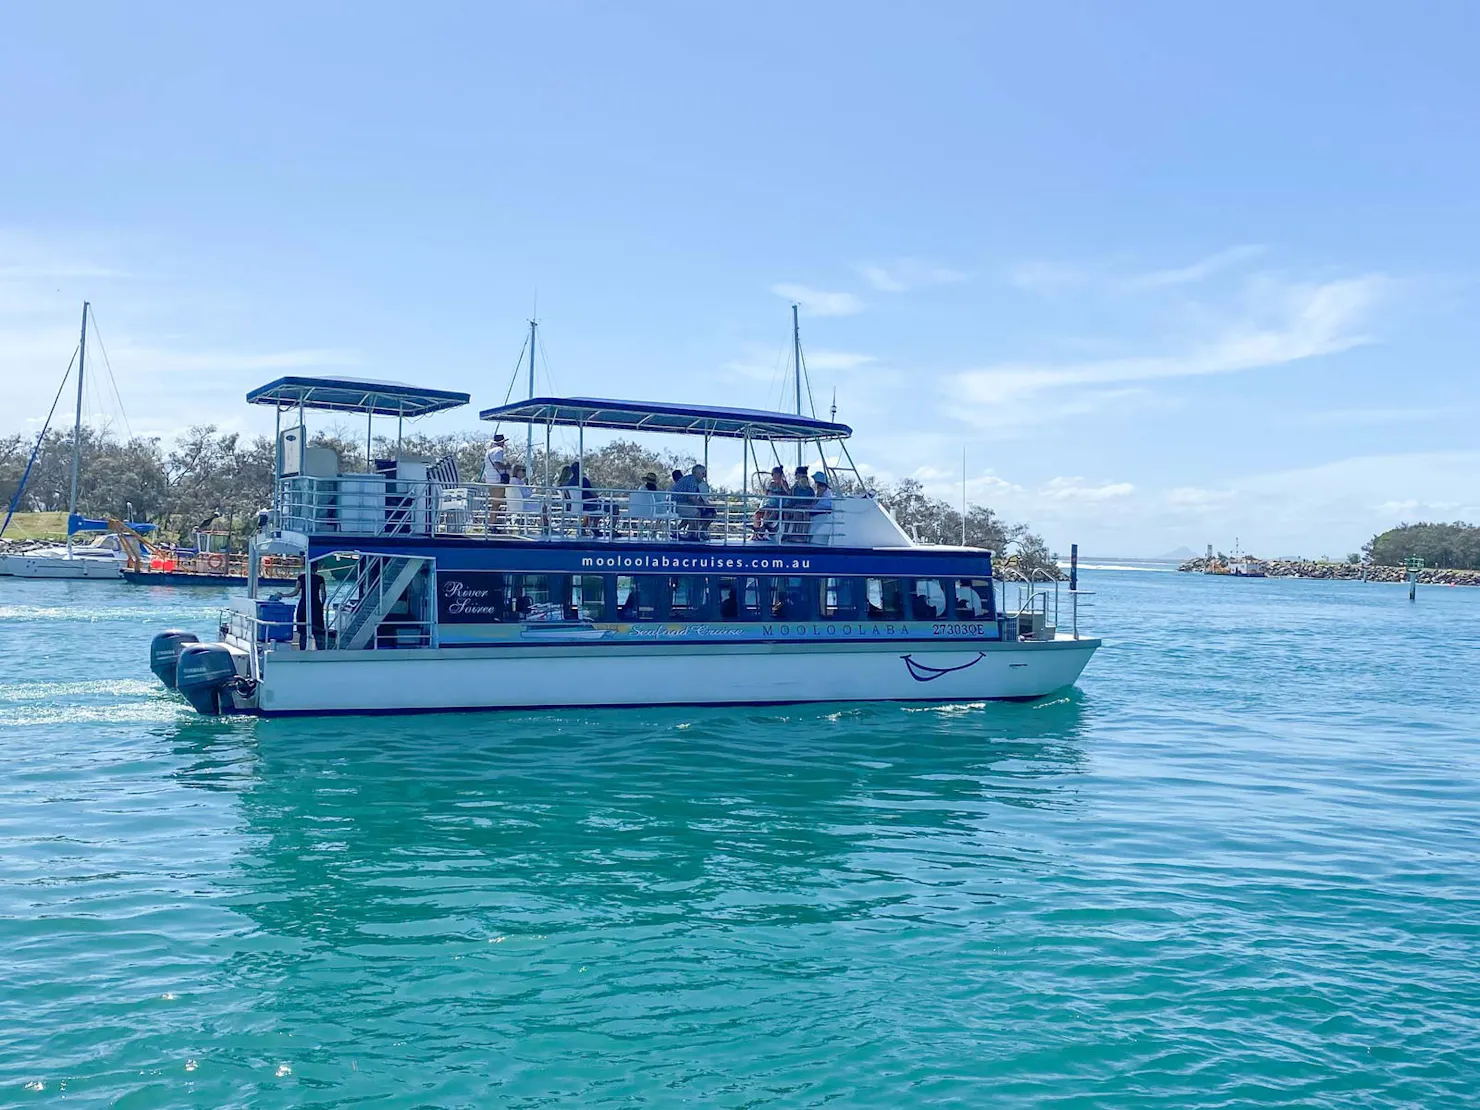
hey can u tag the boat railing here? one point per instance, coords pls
(1037, 597)
(375, 505)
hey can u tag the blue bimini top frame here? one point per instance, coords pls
(375, 398)
(662, 416)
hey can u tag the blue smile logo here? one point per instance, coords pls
(921, 672)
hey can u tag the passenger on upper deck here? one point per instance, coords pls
(822, 508)
(768, 516)
(521, 494)
(585, 502)
(493, 460)
(691, 501)
(646, 505)
(798, 528)
(496, 477)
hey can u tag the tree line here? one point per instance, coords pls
(1450, 546)
(226, 478)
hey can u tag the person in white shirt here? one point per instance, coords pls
(493, 462)
(496, 478)
(521, 493)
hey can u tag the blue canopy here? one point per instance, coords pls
(663, 416)
(76, 522)
(356, 395)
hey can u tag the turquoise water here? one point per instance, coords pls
(1240, 866)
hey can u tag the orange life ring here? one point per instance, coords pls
(215, 561)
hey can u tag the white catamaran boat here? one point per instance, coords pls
(106, 556)
(427, 592)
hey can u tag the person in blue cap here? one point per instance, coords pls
(822, 506)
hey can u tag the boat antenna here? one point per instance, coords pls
(77, 429)
(833, 416)
(796, 347)
(529, 428)
(963, 495)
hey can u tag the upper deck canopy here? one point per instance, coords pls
(662, 416)
(356, 395)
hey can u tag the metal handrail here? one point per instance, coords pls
(372, 505)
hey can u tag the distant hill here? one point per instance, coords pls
(1181, 554)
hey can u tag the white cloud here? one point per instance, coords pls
(1294, 322)
(1053, 277)
(903, 274)
(1365, 417)
(1198, 271)
(1045, 277)
(1077, 489)
(818, 302)
(836, 360)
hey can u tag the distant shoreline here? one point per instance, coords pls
(1349, 572)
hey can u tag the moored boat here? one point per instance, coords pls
(426, 592)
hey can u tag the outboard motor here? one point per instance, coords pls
(202, 671)
(164, 653)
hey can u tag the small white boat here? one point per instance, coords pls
(105, 557)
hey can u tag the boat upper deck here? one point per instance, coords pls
(388, 505)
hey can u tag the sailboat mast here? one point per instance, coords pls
(529, 428)
(796, 350)
(77, 427)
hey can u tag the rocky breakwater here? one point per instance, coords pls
(1356, 572)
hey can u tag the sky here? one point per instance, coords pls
(1167, 274)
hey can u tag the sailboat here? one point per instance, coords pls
(104, 557)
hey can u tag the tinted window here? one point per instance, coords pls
(839, 597)
(885, 599)
(641, 597)
(973, 599)
(738, 599)
(927, 599)
(587, 598)
(789, 599)
(689, 598)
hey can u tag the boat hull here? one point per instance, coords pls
(188, 578)
(569, 676)
(59, 566)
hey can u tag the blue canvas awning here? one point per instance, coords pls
(76, 522)
(356, 395)
(662, 416)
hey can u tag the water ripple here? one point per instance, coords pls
(1236, 868)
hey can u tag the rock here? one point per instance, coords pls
(1309, 568)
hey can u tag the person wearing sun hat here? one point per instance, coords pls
(645, 503)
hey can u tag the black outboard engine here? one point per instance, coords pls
(164, 653)
(203, 670)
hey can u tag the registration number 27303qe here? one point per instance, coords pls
(958, 629)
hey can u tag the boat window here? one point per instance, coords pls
(738, 599)
(536, 597)
(973, 599)
(587, 598)
(840, 597)
(789, 600)
(927, 599)
(641, 597)
(885, 599)
(689, 594)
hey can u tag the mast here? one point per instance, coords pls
(77, 428)
(796, 349)
(529, 428)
